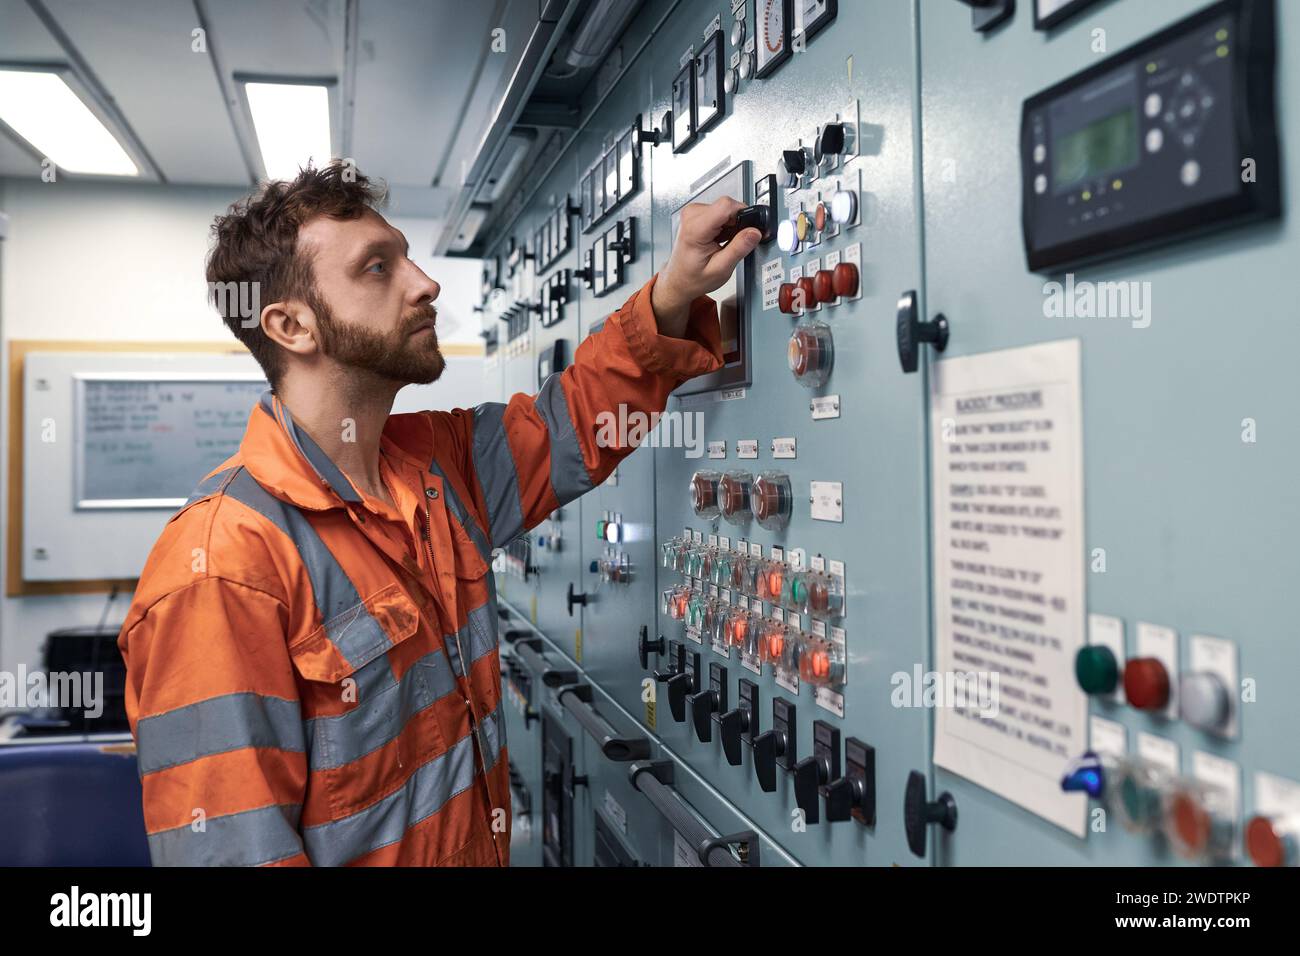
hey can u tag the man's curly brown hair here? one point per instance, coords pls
(257, 242)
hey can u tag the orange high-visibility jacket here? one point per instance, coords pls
(313, 678)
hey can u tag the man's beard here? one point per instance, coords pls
(398, 356)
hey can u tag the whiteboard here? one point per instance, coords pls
(142, 438)
(64, 542)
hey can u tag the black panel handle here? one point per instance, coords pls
(911, 332)
(731, 726)
(576, 699)
(645, 647)
(573, 599)
(809, 774)
(919, 813)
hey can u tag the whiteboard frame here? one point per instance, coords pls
(79, 380)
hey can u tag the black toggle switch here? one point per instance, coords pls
(775, 747)
(683, 683)
(854, 794)
(705, 703)
(919, 813)
(739, 724)
(814, 772)
(645, 647)
(911, 332)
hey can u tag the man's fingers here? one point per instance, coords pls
(724, 261)
(710, 218)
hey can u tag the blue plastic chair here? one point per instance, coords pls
(71, 802)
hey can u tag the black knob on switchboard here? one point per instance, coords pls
(912, 332)
(795, 161)
(678, 685)
(573, 599)
(809, 774)
(645, 647)
(731, 726)
(919, 813)
(703, 705)
(842, 796)
(529, 716)
(831, 141)
(767, 747)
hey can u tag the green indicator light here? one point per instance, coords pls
(1222, 34)
(1222, 51)
(600, 530)
(1151, 67)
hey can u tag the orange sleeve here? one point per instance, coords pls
(537, 452)
(212, 701)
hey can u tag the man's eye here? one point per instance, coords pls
(377, 267)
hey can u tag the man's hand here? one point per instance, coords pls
(698, 265)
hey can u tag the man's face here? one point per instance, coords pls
(375, 306)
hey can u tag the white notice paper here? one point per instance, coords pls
(1009, 571)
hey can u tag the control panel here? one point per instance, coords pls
(963, 557)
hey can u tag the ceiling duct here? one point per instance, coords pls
(602, 26)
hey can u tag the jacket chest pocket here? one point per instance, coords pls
(372, 686)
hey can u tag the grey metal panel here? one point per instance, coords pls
(1197, 526)
(876, 448)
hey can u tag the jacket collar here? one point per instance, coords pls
(287, 462)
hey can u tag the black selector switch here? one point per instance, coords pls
(795, 162)
(919, 813)
(708, 701)
(758, 217)
(682, 684)
(830, 142)
(775, 747)
(854, 794)
(813, 773)
(739, 724)
(676, 662)
(645, 647)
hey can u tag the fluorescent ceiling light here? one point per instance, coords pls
(292, 122)
(41, 108)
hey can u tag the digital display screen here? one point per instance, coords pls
(1102, 147)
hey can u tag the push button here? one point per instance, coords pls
(845, 280)
(1096, 669)
(1203, 700)
(1272, 841)
(1146, 683)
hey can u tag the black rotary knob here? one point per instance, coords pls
(809, 774)
(919, 813)
(731, 726)
(767, 747)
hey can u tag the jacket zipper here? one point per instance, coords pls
(460, 653)
(473, 724)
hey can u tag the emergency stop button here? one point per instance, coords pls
(1146, 683)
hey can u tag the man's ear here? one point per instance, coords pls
(291, 325)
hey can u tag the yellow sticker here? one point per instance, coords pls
(532, 608)
(577, 645)
(650, 714)
(849, 62)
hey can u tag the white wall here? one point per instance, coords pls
(122, 262)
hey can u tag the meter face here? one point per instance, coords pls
(773, 20)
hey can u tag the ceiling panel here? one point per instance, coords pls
(416, 61)
(140, 51)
